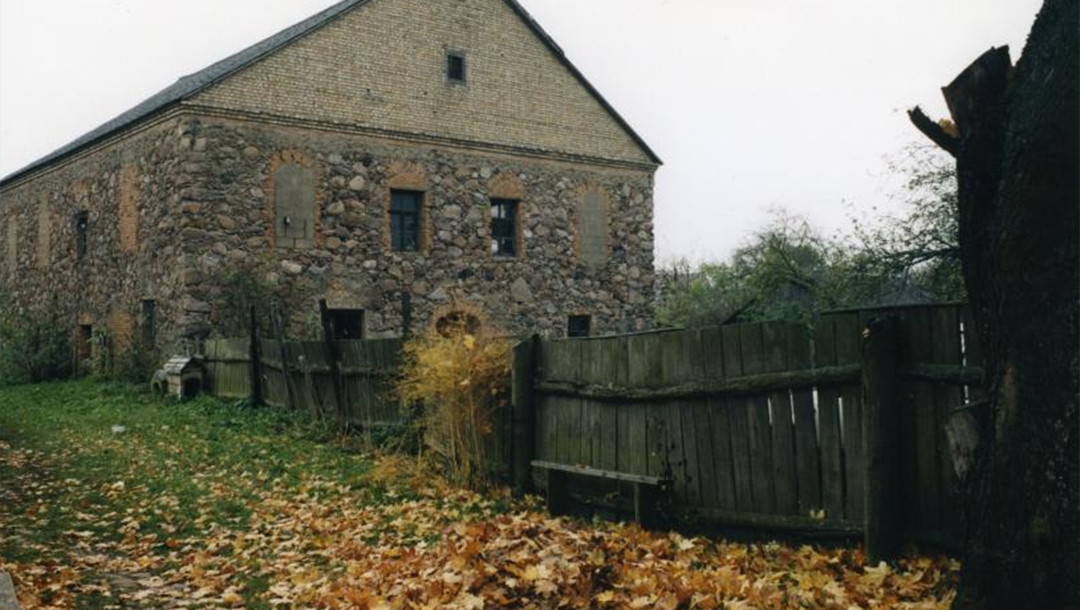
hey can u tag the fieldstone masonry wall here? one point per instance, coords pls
(282, 173)
(229, 221)
(130, 190)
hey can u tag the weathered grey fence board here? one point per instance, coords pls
(727, 488)
(925, 486)
(738, 423)
(847, 349)
(228, 366)
(785, 464)
(946, 350)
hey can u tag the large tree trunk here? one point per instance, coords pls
(1018, 166)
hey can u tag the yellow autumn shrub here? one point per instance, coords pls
(460, 373)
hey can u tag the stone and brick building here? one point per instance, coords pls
(398, 158)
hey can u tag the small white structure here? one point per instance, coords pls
(182, 376)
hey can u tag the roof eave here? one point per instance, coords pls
(565, 61)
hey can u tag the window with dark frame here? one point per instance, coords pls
(405, 209)
(149, 322)
(82, 242)
(579, 326)
(348, 324)
(455, 67)
(504, 227)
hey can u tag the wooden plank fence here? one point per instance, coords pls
(304, 382)
(760, 424)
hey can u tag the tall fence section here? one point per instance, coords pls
(763, 424)
(836, 428)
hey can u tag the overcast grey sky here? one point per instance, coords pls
(752, 104)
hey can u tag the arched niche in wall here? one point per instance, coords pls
(593, 243)
(293, 194)
(129, 209)
(43, 243)
(11, 242)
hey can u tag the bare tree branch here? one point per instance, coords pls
(935, 132)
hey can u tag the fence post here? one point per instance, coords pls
(256, 368)
(883, 519)
(523, 425)
(335, 366)
(286, 372)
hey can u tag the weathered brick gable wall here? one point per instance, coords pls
(383, 66)
(229, 224)
(130, 190)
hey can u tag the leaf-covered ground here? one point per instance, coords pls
(112, 499)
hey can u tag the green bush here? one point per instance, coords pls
(34, 347)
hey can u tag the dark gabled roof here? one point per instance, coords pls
(194, 83)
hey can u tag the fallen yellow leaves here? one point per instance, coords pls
(323, 545)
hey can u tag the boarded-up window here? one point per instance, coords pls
(11, 249)
(294, 206)
(129, 209)
(593, 230)
(44, 236)
(121, 331)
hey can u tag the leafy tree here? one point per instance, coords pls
(776, 275)
(787, 271)
(920, 243)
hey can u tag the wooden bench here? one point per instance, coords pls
(647, 490)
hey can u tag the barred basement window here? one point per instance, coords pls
(82, 243)
(455, 67)
(578, 326)
(347, 324)
(504, 227)
(405, 209)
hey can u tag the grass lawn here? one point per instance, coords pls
(111, 498)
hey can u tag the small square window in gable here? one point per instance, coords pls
(455, 67)
(294, 206)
